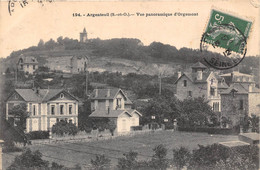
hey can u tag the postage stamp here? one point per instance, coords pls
(226, 35)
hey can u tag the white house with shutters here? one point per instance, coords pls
(45, 107)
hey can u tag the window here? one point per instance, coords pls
(70, 109)
(61, 95)
(34, 67)
(118, 102)
(241, 104)
(34, 110)
(27, 65)
(189, 93)
(185, 83)
(212, 91)
(53, 110)
(61, 109)
(216, 106)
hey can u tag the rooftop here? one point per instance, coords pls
(27, 59)
(198, 65)
(30, 95)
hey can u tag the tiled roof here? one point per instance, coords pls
(222, 85)
(103, 94)
(43, 95)
(198, 65)
(29, 95)
(237, 87)
(193, 77)
(28, 59)
(113, 113)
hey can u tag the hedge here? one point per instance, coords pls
(212, 130)
(38, 135)
(135, 128)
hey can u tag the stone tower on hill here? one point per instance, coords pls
(83, 36)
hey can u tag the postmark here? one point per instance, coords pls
(226, 38)
(13, 4)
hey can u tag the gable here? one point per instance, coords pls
(212, 79)
(15, 97)
(63, 96)
(124, 114)
(182, 78)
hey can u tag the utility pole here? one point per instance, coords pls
(86, 93)
(86, 72)
(160, 84)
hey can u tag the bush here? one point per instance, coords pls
(100, 163)
(129, 162)
(63, 127)
(208, 156)
(27, 160)
(38, 135)
(159, 160)
(135, 128)
(181, 157)
(10, 147)
(211, 130)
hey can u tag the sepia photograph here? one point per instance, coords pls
(129, 85)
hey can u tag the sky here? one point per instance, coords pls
(44, 21)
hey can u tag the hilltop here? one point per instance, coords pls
(119, 55)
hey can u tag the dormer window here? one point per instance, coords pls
(61, 95)
(15, 96)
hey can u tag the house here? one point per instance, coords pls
(113, 104)
(200, 82)
(27, 64)
(239, 100)
(68, 64)
(45, 107)
(237, 77)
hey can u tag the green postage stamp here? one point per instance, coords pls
(229, 33)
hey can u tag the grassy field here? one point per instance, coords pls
(81, 153)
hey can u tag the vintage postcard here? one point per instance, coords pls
(129, 85)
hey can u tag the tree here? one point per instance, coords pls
(100, 163)
(161, 107)
(28, 159)
(194, 112)
(129, 162)
(159, 160)
(181, 157)
(41, 44)
(255, 123)
(62, 127)
(20, 115)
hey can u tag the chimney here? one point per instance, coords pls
(108, 110)
(179, 74)
(96, 93)
(232, 76)
(37, 90)
(199, 75)
(108, 92)
(250, 88)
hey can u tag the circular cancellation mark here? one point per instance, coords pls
(223, 46)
